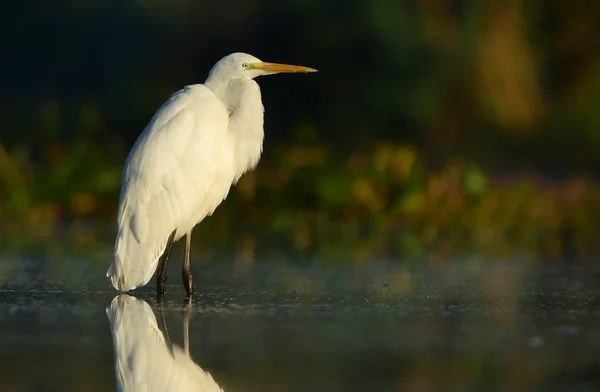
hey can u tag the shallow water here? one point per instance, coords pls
(278, 327)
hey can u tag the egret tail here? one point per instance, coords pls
(134, 262)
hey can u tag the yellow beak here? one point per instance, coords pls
(282, 68)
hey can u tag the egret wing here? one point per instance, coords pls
(167, 174)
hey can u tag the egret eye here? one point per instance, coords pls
(245, 65)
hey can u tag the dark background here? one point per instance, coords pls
(434, 127)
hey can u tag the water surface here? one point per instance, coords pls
(376, 326)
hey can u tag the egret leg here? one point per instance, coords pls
(161, 272)
(186, 271)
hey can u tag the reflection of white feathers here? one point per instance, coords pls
(143, 361)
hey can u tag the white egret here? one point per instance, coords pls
(182, 166)
(144, 360)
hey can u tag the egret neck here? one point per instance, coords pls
(242, 99)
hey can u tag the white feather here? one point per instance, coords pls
(178, 171)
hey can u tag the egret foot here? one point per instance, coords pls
(186, 275)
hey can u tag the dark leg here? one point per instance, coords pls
(186, 271)
(161, 272)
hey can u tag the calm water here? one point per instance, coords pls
(275, 327)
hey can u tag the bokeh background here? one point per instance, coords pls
(436, 130)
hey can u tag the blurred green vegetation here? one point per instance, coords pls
(435, 128)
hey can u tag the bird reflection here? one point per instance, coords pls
(145, 360)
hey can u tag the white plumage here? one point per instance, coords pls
(143, 361)
(181, 167)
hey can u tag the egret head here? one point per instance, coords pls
(246, 66)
